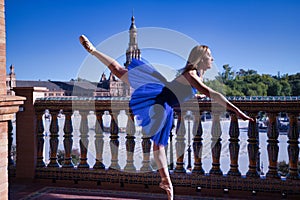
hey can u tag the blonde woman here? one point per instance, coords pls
(154, 97)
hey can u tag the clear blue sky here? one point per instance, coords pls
(42, 35)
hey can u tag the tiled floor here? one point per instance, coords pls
(81, 190)
(47, 191)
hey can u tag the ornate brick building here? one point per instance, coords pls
(110, 86)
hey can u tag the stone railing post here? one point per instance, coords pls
(170, 146)
(197, 145)
(130, 144)
(146, 145)
(252, 147)
(10, 142)
(99, 142)
(273, 148)
(180, 144)
(293, 147)
(216, 145)
(40, 139)
(68, 141)
(84, 141)
(234, 146)
(114, 143)
(53, 141)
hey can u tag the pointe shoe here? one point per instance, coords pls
(87, 44)
(168, 188)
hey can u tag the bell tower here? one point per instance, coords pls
(133, 50)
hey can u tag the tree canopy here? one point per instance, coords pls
(250, 83)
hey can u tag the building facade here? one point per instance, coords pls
(108, 87)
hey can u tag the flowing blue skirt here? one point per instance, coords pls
(148, 103)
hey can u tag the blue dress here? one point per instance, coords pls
(153, 99)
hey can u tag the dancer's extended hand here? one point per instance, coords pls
(200, 96)
(243, 116)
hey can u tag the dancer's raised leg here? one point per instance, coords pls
(162, 164)
(112, 64)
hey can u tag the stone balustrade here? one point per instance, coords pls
(186, 172)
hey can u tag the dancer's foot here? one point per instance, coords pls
(87, 44)
(166, 185)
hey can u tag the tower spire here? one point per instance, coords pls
(133, 51)
(132, 13)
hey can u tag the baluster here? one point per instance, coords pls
(166, 153)
(171, 161)
(189, 118)
(180, 145)
(293, 148)
(10, 141)
(197, 146)
(40, 139)
(68, 141)
(273, 148)
(84, 141)
(53, 142)
(114, 144)
(253, 147)
(234, 146)
(130, 144)
(122, 121)
(99, 142)
(216, 145)
(146, 145)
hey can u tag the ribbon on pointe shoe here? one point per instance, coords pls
(167, 186)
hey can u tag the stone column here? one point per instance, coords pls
(2, 50)
(8, 106)
(26, 133)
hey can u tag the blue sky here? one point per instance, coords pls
(42, 35)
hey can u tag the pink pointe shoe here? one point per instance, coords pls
(87, 44)
(167, 186)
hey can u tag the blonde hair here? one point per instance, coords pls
(195, 57)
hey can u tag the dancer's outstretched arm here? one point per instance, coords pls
(196, 82)
(112, 64)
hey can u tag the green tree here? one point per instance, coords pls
(243, 72)
(216, 85)
(274, 88)
(250, 83)
(226, 75)
(294, 81)
(286, 88)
